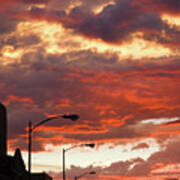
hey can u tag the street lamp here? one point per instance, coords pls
(31, 128)
(84, 174)
(91, 145)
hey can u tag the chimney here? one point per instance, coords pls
(3, 131)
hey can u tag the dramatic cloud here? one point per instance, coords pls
(115, 63)
(116, 23)
(135, 167)
(107, 119)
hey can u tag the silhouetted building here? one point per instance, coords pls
(3, 131)
(13, 167)
(41, 176)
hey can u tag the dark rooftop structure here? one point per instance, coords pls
(13, 167)
(3, 129)
(41, 176)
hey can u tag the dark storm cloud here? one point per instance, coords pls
(116, 23)
(109, 25)
(103, 25)
(131, 91)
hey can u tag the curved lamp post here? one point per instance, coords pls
(31, 128)
(91, 145)
(84, 174)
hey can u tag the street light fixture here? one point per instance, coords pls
(91, 145)
(31, 128)
(84, 174)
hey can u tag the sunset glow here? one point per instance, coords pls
(115, 64)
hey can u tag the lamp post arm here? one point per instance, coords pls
(44, 121)
(30, 130)
(84, 174)
(79, 145)
(72, 147)
(77, 177)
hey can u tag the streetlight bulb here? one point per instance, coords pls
(90, 145)
(73, 117)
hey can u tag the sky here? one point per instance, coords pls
(115, 63)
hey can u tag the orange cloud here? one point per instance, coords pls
(24, 100)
